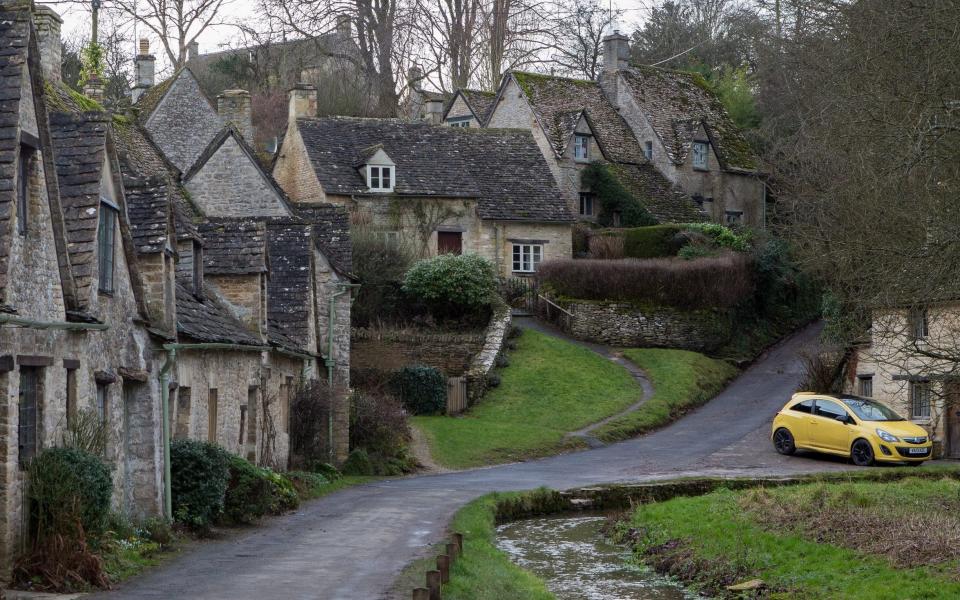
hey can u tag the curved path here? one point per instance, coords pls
(352, 544)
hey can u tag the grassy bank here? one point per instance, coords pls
(853, 539)
(550, 388)
(681, 380)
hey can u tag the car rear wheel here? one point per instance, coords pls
(861, 453)
(783, 442)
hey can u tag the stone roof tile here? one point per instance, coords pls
(290, 287)
(206, 320)
(234, 246)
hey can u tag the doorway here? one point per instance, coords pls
(449, 242)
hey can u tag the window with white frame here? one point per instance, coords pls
(919, 324)
(865, 385)
(526, 257)
(106, 240)
(648, 150)
(581, 146)
(380, 178)
(920, 399)
(459, 122)
(586, 204)
(701, 154)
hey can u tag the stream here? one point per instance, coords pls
(578, 563)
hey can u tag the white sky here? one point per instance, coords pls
(76, 17)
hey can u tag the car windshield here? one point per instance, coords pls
(868, 410)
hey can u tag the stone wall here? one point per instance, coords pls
(486, 358)
(294, 172)
(385, 349)
(626, 325)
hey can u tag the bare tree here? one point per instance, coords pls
(450, 32)
(514, 34)
(579, 47)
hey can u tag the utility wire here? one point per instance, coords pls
(660, 62)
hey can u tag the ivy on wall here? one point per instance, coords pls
(614, 198)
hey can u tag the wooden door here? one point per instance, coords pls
(952, 409)
(449, 242)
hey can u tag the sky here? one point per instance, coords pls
(76, 18)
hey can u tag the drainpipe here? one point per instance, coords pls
(330, 362)
(6, 319)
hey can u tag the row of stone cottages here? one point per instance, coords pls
(154, 275)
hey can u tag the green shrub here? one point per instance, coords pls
(70, 493)
(423, 390)
(358, 463)
(652, 242)
(307, 484)
(723, 237)
(614, 198)
(199, 473)
(452, 285)
(285, 495)
(329, 471)
(255, 491)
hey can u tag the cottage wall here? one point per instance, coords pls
(460, 109)
(245, 296)
(294, 172)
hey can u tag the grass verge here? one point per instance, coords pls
(550, 388)
(682, 380)
(832, 539)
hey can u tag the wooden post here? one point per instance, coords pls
(421, 594)
(443, 565)
(452, 552)
(433, 584)
(458, 540)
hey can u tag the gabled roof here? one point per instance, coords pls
(206, 320)
(331, 233)
(558, 103)
(290, 287)
(502, 169)
(479, 102)
(234, 246)
(676, 103)
(655, 192)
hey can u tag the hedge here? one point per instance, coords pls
(199, 473)
(715, 282)
(423, 390)
(70, 489)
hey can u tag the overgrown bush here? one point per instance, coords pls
(580, 239)
(199, 473)
(614, 198)
(311, 409)
(379, 424)
(822, 372)
(722, 281)
(652, 242)
(423, 390)
(307, 484)
(722, 236)
(249, 493)
(379, 263)
(358, 463)
(87, 431)
(607, 247)
(452, 285)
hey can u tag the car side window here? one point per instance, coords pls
(828, 409)
(804, 407)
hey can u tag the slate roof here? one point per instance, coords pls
(14, 32)
(558, 103)
(331, 232)
(206, 320)
(79, 142)
(480, 102)
(290, 285)
(234, 246)
(676, 103)
(662, 199)
(503, 169)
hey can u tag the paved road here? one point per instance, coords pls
(352, 544)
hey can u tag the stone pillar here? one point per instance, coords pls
(616, 52)
(48, 25)
(303, 101)
(144, 66)
(234, 107)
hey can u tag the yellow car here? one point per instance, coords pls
(861, 428)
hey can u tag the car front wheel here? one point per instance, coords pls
(783, 442)
(861, 453)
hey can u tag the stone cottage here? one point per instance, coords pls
(469, 108)
(665, 135)
(438, 189)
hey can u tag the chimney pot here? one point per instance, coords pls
(435, 111)
(234, 107)
(48, 23)
(144, 66)
(144, 46)
(303, 101)
(616, 52)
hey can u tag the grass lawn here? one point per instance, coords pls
(550, 388)
(833, 540)
(681, 380)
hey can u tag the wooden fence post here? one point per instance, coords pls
(452, 552)
(443, 565)
(458, 540)
(433, 584)
(421, 594)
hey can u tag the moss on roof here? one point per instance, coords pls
(528, 80)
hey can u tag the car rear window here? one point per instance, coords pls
(804, 407)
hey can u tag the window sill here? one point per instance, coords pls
(107, 293)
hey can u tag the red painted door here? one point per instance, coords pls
(449, 242)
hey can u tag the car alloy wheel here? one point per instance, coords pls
(862, 453)
(783, 441)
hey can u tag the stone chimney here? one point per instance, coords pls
(616, 52)
(48, 25)
(234, 107)
(415, 78)
(93, 89)
(343, 25)
(303, 101)
(193, 50)
(434, 112)
(144, 66)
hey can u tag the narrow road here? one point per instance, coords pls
(352, 544)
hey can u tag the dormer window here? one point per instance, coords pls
(581, 147)
(380, 178)
(106, 242)
(701, 155)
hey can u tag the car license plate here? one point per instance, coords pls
(918, 450)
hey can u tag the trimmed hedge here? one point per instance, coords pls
(715, 282)
(423, 390)
(70, 489)
(199, 473)
(653, 242)
(452, 284)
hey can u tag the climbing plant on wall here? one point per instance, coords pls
(614, 199)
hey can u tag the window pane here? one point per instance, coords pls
(27, 423)
(537, 253)
(106, 234)
(374, 177)
(387, 177)
(516, 258)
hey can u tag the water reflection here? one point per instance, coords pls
(575, 560)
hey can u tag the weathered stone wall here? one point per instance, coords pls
(485, 360)
(157, 272)
(184, 122)
(294, 172)
(245, 296)
(230, 185)
(391, 349)
(460, 109)
(626, 325)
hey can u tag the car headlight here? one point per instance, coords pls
(887, 437)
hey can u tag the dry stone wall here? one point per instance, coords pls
(622, 324)
(392, 349)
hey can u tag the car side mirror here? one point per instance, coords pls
(845, 419)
